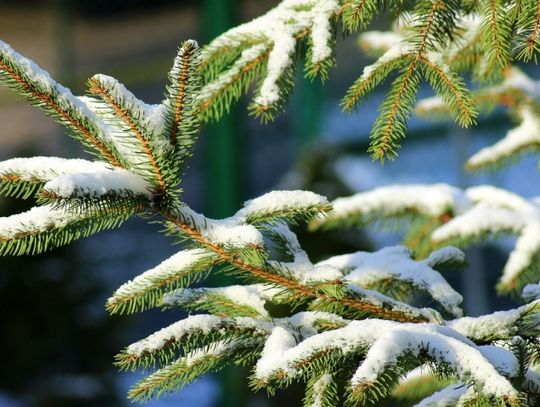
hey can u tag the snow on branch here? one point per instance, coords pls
(472, 215)
(26, 78)
(393, 266)
(376, 43)
(517, 92)
(23, 177)
(521, 138)
(196, 324)
(135, 125)
(449, 396)
(233, 300)
(45, 227)
(392, 201)
(142, 117)
(98, 183)
(497, 212)
(531, 292)
(272, 40)
(238, 231)
(501, 325)
(228, 232)
(191, 366)
(147, 289)
(383, 345)
(288, 205)
(350, 284)
(195, 339)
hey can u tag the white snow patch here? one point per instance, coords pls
(98, 183)
(525, 135)
(380, 40)
(37, 220)
(391, 200)
(531, 292)
(44, 169)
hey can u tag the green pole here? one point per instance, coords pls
(224, 177)
(224, 192)
(307, 103)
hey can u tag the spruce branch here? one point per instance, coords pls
(322, 390)
(231, 301)
(147, 289)
(174, 376)
(529, 18)
(496, 35)
(357, 14)
(45, 227)
(185, 336)
(27, 79)
(267, 47)
(465, 217)
(268, 274)
(112, 93)
(519, 94)
(182, 105)
(24, 177)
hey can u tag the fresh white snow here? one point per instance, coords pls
(99, 183)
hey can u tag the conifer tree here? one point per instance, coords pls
(352, 327)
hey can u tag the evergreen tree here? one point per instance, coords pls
(351, 327)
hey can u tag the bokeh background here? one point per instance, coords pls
(56, 339)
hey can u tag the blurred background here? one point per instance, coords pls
(58, 342)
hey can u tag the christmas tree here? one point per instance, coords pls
(354, 327)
